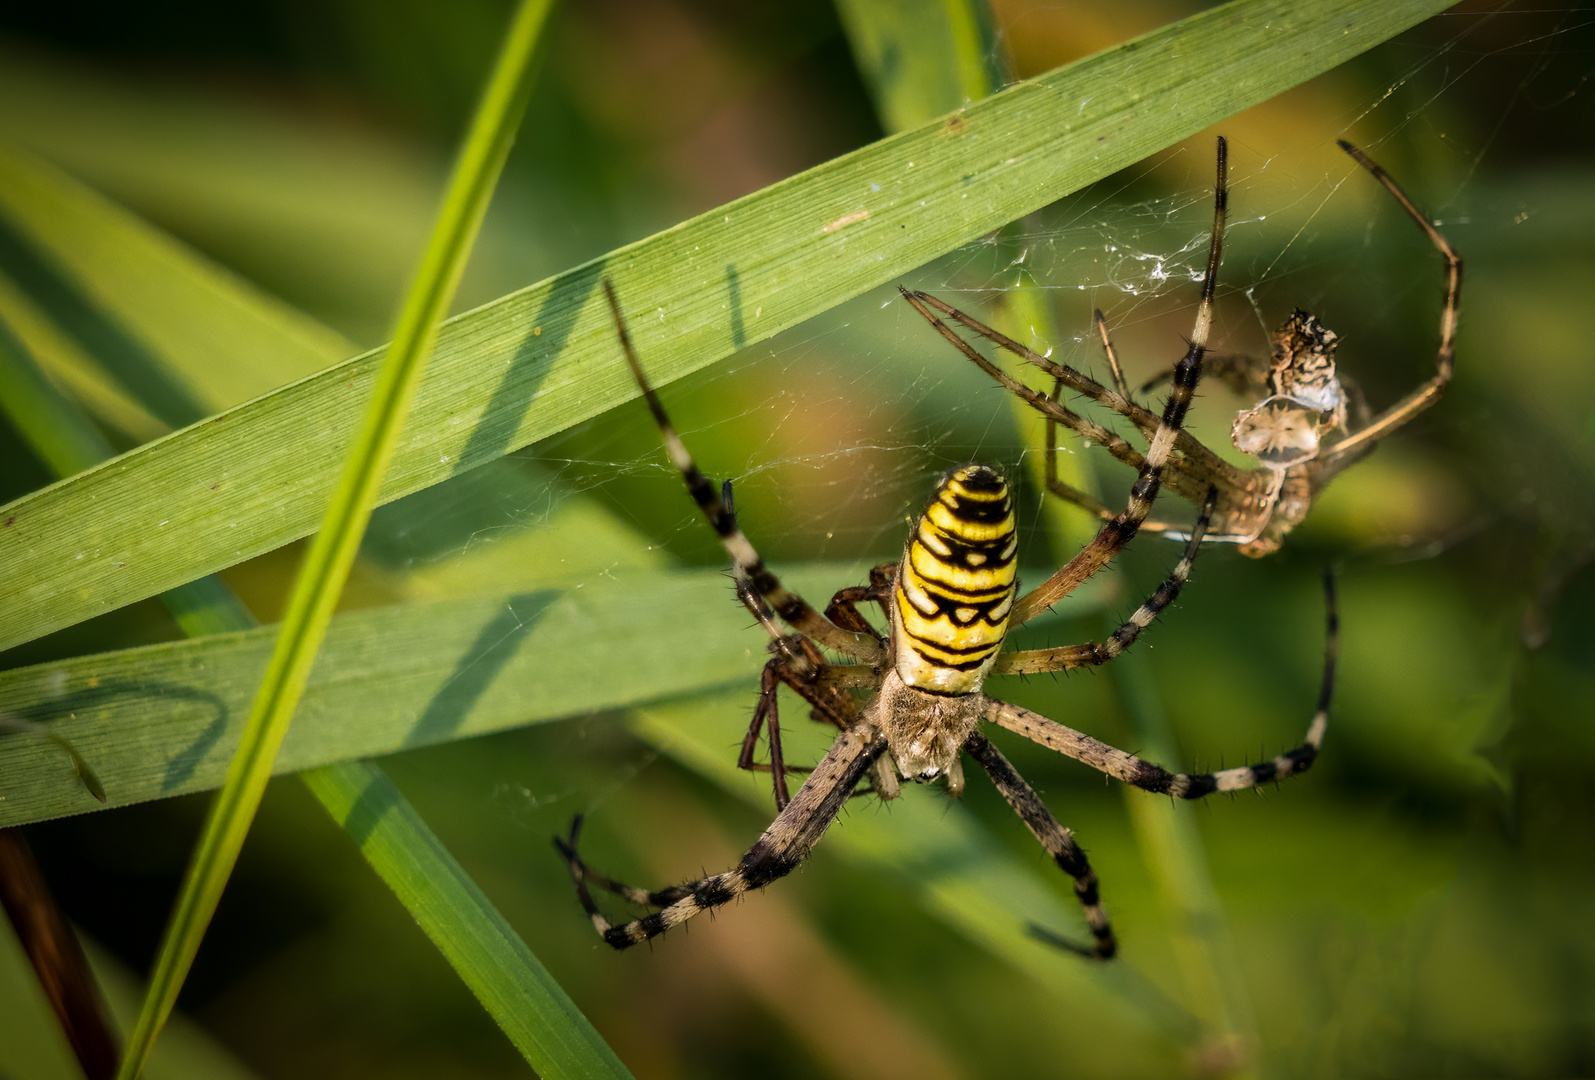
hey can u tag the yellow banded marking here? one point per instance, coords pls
(931, 539)
(928, 572)
(955, 588)
(953, 495)
(960, 480)
(941, 516)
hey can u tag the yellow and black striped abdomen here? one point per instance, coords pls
(955, 587)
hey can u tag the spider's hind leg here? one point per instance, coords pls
(1058, 841)
(1154, 778)
(843, 608)
(782, 848)
(582, 874)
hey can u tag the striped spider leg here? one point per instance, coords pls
(797, 663)
(913, 704)
(1308, 424)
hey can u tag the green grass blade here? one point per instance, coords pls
(91, 270)
(543, 359)
(920, 60)
(510, 982)
(326, 567)
(508, 979)
(42, 415)
(163, 720)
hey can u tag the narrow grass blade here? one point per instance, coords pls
(327, 565)
(116, 286)
(543, 359)
(512, 985)
(40, 414)
(509, 980)
(920, 60)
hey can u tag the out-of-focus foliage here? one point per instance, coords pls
(1417, 904)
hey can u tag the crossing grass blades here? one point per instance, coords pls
(1308, 425)
(909, 704)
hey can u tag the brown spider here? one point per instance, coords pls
(1308, 425)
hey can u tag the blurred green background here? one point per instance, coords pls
(1417, 905)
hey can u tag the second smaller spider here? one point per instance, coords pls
(1308, 423)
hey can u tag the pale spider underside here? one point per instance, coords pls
(1308, 423)
(907, 705)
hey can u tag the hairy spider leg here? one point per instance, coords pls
(784, 845)
(1100, 323)
(796, 662)
(1155, 778)
(1058, 841)
(1067, 657)
(1191, 473)
(1281, 499)
(1186, 478)
(1121, 530)
(789, 606)
(1427, 394)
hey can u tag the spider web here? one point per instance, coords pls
(834, 433)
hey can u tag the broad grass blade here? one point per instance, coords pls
(538, 361)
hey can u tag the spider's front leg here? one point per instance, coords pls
(750, 569)
(782, 848)
(798, 664)
(843, 608)
(1445, 357)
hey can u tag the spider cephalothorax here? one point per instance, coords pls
(1307, 426)
(912, 702)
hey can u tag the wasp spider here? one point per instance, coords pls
(1308, 425)
(909, 704)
